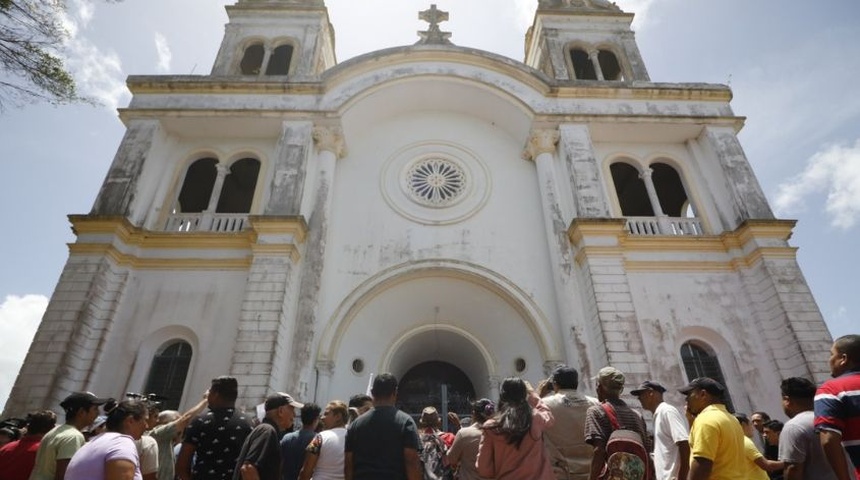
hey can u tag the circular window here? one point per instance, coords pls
(436, 182)
(358, 365)
(520, 365)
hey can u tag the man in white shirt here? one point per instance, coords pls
(671, 433)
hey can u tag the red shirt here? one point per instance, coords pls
(18, 458)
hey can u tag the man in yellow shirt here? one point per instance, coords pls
(716, 437)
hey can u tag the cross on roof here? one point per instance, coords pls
(433, 35)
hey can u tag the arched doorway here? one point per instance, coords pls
(421, 387)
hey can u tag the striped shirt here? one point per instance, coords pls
(837, 409)
(599, 427)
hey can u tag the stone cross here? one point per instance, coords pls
(433, 35)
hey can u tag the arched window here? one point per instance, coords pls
(197, 186)
(583, 68)
(252, 59)
(279, 62)
(168, 373)
(670, 189)
(632, 195)
(700, 362)
(609, 65)
(237, 194)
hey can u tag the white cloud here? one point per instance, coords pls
(98, 74)
(84, 11)
(836, 171)
(163, 50)
(19, 318)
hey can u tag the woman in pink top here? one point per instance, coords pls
(112, 454)
(512, 442)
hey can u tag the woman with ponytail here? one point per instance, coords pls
(464, 451)
(112, 455)
(511, 445)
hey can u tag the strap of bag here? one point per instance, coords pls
(610, 412)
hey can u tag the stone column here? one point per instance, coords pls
(662, 221)
(264, 64)
(120, 185)
(206, 221)
(330, 147)
(594, 56)
(556, 53)
(541, 149)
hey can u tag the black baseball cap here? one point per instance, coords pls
(648, 385)
(82, 399)
(709, 385)
(279, 400)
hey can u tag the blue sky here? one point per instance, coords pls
(793, 67)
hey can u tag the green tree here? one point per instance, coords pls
(32, 35)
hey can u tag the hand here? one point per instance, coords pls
(454, 419)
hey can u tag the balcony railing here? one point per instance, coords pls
(664, 226)
(207, 222)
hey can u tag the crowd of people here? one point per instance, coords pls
(549, 432)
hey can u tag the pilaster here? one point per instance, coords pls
(262, 349)
(589, 190)
(120, 186)
(747, 197)
(290, 169)
(612, 321)
(541, 148)
(330, 146)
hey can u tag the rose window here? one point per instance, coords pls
(436, 182)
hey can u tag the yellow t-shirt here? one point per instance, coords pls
(751, 453)
(717, 436)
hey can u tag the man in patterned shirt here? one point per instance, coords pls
(837, 408)
(215, 438)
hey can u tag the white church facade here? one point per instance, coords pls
(439, 212)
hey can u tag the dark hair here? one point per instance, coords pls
(40, 422)
(849, 345)
(774, 425)
(358, 400)
(310, 412)
(764, 416)
(482, 410)
(566, 377)
(226, 387)
(384, 385)
(742, 418)
(798, 388)
(514, 420)
(118, 412)
(11, 432)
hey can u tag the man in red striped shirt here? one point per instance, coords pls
(837, 408)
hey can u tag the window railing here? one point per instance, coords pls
(664, 226)
(207, 222)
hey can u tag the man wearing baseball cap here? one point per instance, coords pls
(671, 438)
(716, 437)
(63, 441)
(598, 423)
(260, 456)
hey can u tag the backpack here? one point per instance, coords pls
(433, 458)
(626, 456)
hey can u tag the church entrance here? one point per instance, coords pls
(422, 386)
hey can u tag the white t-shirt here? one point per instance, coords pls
(670, 427)
(147, 449)
(330, 445)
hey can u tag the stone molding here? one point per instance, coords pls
(543, 140)
(330, 139)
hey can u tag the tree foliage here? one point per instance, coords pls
(32, 33)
